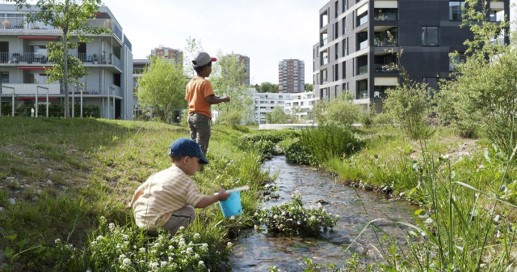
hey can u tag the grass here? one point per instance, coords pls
(65, 174)
(72, 178)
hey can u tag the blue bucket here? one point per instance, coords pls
(232, 205)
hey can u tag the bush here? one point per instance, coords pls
(292, 219)
(409, 105)
(340, 111)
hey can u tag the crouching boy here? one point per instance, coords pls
(166, 200)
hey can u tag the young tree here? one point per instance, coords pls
(277, 116)
(71, 16)
(162, 88)
(228, 73)
(339, 111)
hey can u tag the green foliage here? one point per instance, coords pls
(329, 141)
(298, 153)
(340, 111)
(409, 105)
(484, 98)
(265, 142)
(278, 116)
(267, 87)
(228, 80)
(293, 219)
(162, 87)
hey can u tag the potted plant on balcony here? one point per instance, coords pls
(95, 59)
(5, 23)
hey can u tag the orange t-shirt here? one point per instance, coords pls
(197, 90)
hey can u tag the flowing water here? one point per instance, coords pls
(255, 251)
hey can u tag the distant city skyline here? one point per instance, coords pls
(266, 31)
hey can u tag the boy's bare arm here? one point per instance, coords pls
(209, 200)
(213, 99)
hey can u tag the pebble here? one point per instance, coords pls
(12, 201)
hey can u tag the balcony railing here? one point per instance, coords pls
(362, 94)
(363, 45)
(387, 16)
(33, 58)
(362, 70)
(30, 89)
(384, 42)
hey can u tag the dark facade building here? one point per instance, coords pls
(359, 40)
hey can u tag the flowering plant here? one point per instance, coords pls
(292, 219)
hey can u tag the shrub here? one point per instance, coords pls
(340, 111)
(409, 105)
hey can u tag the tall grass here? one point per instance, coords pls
(466, 221)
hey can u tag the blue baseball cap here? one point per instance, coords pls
(186, 147)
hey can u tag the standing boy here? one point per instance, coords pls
(167, 199)
(200, 96)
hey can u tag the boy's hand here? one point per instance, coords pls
(223, 194)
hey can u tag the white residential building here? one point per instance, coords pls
(107, 89)
(299, 104)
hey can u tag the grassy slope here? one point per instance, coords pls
(66, 173)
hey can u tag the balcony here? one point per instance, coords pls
(383, 15)
(361, 70)
(384, 42)
(30, 89)
(361, 94)
(38, 59)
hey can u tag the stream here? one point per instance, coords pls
(255, 251)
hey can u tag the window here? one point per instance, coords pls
(455, 59)
(430, 36)
(343, 25)
(343, 69)
(336, 51)
(4, 77)
(455, 10)
(336, 71)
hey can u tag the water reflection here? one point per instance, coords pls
(258, 252)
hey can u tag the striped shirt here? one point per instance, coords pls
(162, 194)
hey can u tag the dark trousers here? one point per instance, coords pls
(199, 130)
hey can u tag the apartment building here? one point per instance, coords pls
(107, 89)
(299, 104)
(174, 55)
(291, 76)
(358, 41)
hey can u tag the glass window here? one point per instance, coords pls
(455, 10)
(430, 36)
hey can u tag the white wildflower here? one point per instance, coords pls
(111, 226)
(126, 262)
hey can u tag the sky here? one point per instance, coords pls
(267, 31)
